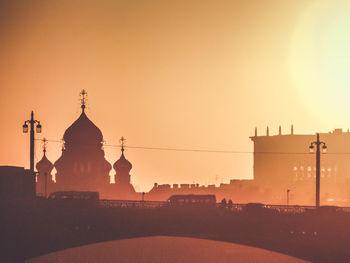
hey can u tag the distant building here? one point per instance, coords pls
(284, 162)
(16, 184)
(238, 190)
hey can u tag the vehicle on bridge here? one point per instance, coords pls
(75, 199)
(74, 195)
(325, 210)
(257, 208)
(192, 200)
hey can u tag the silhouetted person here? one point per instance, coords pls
(230, 204)
(223, 202)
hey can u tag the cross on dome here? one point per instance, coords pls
(44, 165)
(122, 165)
(44, 144)
(83, 99)
(122, 140)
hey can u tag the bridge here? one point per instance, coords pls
(30, 230)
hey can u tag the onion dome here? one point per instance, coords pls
(122, 165)
(44, 165)
(83, 131)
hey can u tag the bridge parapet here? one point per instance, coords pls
(130, 204)
(235, 207)
(307, 235)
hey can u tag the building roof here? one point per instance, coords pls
(44, 165)
(122, 163)
(83, 131)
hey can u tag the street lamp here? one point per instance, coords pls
(38, 130)
(38, 127)
(288, 190)
(318, 143)
(25, 128)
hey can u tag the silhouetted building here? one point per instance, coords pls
(82, 166)
(241, 191)
(122, 167)
(16, 184)
(284, 162)
(44, 181)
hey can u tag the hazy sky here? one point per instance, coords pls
(179, 74)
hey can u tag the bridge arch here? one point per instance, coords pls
(165, 249)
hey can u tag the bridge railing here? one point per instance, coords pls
(294, 209)
(235, 207)
(131, 204)
(345, 209)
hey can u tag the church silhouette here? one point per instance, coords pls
(82, 165)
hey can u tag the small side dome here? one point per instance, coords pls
(44, 165)
(122, 164)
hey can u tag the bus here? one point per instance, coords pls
(74, 199)
(192, 200)
(74, 195)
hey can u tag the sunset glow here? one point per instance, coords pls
(180, 74)
(320, 60)
(175, 131)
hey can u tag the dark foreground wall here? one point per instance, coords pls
(28, 232)
(16, 183)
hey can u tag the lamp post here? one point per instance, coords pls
(32, 122)
(318, 143)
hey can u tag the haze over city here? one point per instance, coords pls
(173, 74)
(174, 131)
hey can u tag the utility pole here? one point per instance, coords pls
(318, 143)
(32, 122)
(288, 190)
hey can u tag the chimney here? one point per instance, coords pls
(267, 131)
(280, 130)
(256, 131)
(292, 130)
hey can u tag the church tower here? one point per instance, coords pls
(124, 188)
(44, 184)
(82, 165)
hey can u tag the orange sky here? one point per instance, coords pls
(179, 74)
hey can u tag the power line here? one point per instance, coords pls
(201, 150)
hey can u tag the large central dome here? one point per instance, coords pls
(83, 131)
